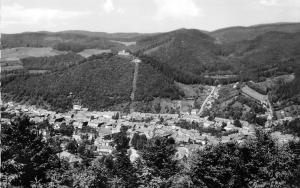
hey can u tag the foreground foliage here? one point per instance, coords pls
(259, 162)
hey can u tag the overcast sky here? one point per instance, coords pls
(142, 15)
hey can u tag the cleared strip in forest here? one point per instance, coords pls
(135, 75)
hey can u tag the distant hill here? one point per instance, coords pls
(235, 34)
(75, 42)
(186, 55)
(115, 36)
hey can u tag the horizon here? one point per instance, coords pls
(234, 26)
(135, 16)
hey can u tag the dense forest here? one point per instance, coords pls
(99, 82)
(186, 55)
(52, 63)
(190, 56)
(259, 162)
(75, 42)
(152, 83)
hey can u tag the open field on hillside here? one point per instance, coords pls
(193, 91)
(37, 71)
(221, 76)
(11, 65)
(89, 52)
(125, 43)
(270, 82)
(14, 54)
(254, 94)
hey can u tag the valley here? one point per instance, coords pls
(155, 104)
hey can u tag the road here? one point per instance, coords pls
(207, 98)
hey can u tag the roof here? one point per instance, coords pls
(69, 156)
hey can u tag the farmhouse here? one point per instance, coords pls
(123, 52)
(136, 60)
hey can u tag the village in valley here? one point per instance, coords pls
(192, 128)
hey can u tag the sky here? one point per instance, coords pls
(143, 16)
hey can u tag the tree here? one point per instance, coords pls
(237, 123)
(66, 130)
(122, 167)
(138, 141)
(72, 146)
(25, 156)
(256, 163)
(157, 163)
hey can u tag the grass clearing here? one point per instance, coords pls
(14, 54)
(89, 52)
(254, 94)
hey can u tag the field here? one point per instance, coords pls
(226, 93)
(271, 82)
(254, 94)
(89, 52)
(125, 43)
(37, 71)
(11, 65)
(225, 76)
(193, 91)
(14, 54)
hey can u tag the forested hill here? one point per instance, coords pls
(189, 52)
(75, 42)
(235, 34)
(100, 83)
(189, 56)
(193, 56)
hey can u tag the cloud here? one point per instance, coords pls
(17, 14)
(109, 7)
(177, 9)
(269, 2)
(281, 3)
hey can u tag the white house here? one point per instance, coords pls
(123, 52)
(136, 60)
(76, 107)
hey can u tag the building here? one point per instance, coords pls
(136, 60)
(123, 52)
(76, 107)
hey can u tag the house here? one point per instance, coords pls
(133, 155)
(103, 146)
(71, 158)
(76, 107)
(105, 150)
(76, 137)
(56, 125)
(181, 153)
(136, 60)
(194, 111)
(77, 124)
(123, 52)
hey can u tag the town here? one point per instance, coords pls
(190, 131)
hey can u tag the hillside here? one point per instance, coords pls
(114, 36)
(62, 41)
(235, 34)
(267, 55)
(188, 56)
(97, 84)
(187, 52)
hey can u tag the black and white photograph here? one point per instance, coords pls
(150, 93)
